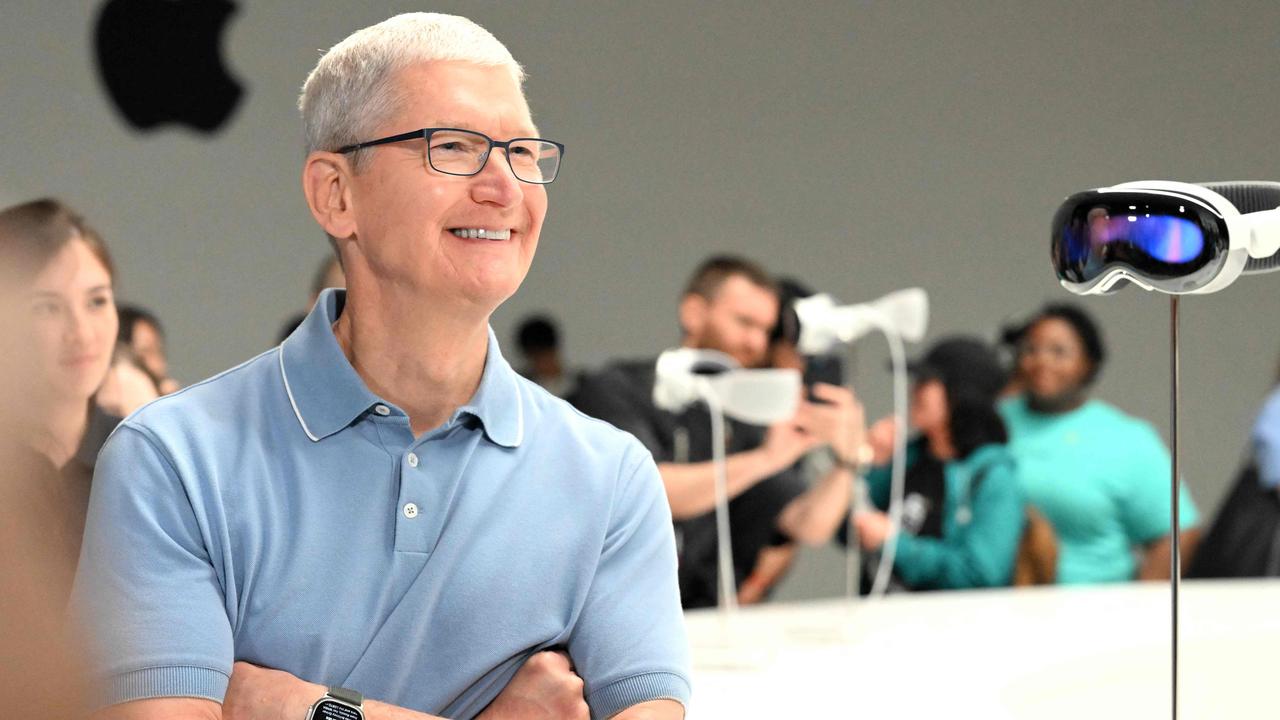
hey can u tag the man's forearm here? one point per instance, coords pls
(162, 709)
(374, 710)
(194, 709)
(815, 516)
(653, 710)
(691, 489)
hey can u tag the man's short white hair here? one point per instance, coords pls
(350, 92)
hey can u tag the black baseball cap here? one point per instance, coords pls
(964, 365)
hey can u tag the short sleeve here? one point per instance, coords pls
(1145, 510)
(629, 644)
(146, 588)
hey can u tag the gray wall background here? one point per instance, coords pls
(861, 146)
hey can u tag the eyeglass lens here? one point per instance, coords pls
(461, 152)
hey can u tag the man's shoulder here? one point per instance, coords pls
(223, 399)
(556, 421)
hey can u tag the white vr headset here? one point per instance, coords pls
(1171, 237)
(823, 324)
(685, 376)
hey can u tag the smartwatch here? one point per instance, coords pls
(338, 704)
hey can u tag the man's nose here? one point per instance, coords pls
(496, 183)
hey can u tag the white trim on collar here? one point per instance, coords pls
(289, 391)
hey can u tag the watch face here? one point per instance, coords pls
(328, 709)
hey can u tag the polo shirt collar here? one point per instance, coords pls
(497, 402)
(327, 394)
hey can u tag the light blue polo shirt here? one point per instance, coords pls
(282, 514)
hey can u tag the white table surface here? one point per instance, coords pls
(1093, 652)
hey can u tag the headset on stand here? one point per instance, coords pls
(1174, 238)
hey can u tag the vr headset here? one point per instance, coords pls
(1171, 237)
(684, 376)
(824, 325)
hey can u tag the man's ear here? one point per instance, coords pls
(326, 184)
(693, 315)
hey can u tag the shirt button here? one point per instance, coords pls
(413, 460)
(382, 409)
(410, 510)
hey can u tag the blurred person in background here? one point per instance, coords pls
(127, 386)
(1265, 440)
(731, 305)
(63, 280)
(40, 673)
(539, 341)
(1100, 476)
(775, 558)
(1244, 538)
(329, 274)
(143, 336)
(963, 509)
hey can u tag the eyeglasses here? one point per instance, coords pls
(1055, 351)
(454, 151)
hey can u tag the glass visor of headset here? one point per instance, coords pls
(1175, 238)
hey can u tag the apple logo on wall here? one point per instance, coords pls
(161, 62)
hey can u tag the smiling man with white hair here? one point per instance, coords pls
(381, 504)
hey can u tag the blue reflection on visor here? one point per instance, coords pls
(1163, 237)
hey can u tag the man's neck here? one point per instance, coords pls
(425, 359)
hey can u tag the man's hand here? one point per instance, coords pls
(258, 693)
(787, 441)
(545, 687)
(873, 529)
(838, 420)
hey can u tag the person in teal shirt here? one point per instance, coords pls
(963, 510)
(1099, 476)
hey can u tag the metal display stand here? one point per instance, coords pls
(1175, 573)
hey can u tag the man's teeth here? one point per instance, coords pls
(482, 234)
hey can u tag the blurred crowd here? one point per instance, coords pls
(1016, 474)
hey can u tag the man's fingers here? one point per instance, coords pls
(832, 393)
(553, 660)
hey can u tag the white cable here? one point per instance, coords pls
(852, 548)
(728, 584)
(899, 468)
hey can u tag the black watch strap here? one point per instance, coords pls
(347, 696)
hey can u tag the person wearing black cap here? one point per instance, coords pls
(963, 510)
(1100, 476)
